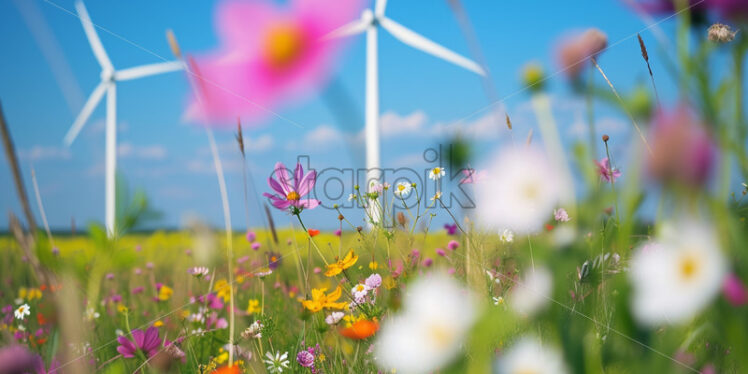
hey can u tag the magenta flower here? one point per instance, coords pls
(607, 173)
(453, 244)
(289, 195)
(472, 176)
(735, 291)
(338, 232)
(251, 236)
(373, 281)
(441, 252)
(574, 52)
(561, 215)
(147, 342)
(451, 229)
(305, 359)
(428, 262)
(268, 55)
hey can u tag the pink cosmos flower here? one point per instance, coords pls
(305, 359)
(148, 342)
(289, 195)
(574, 52)
(607, 173)
(268, 54)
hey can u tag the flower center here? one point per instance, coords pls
(401, 187)
(530, 191)
(284, 43)
(437, 170)
(441, 335)
(689, 268)
(293, 195)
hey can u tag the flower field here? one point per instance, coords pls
(534, 252)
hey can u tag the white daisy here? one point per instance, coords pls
(498, 300)
(530, 356)
(437, 173)
(403, 189)
(22, 311)
(506, 236)
(352, 197)
(519, 193)
(677, 276)
(437, 313)
(277, 363)
(533, 292)
(437, 196)
(359, 291)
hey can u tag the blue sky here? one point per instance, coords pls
(422, 99)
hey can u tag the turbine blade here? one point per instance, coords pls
(93, 38)
(414, 40)
(88, 108)
(379, 7)
(146, 70)
(356, 27)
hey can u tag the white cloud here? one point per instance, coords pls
(392, 124)
(489, 126)
(147, 152)
(42, 152)
(260, 144)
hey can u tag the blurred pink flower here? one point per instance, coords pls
(607, 173)
(561, 215)
(683, 152)
(291, 194)
(251, 236)
(732, 9)
(735, 291)
(573, 53)
(267, 55)
(148, 342)
(453, 244)
(471, 176)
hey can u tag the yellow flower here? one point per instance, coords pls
(321, 301)
(253, 307)
(337, 267)
(223, 357)
(390, 283)
(164, 293)
(373, 265)
(29, 293)
(121, 308)
(239, 279)
(158, 323)
(223, 289)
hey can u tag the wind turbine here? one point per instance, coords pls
(109, 78)
(369, 23)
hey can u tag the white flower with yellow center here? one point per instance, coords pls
(437, 314)
(678, 275)
(22, 311)
(403, 189)
(437, 196)
(437, 173)
(506, 236)
(530, 356)
(519, 193)
(359, 291)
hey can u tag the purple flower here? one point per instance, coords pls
(451, 229)
(42, 369)
(147, 342)
(274, 260)
(256, 245)
(472, 176)
(16, 359)
(453, 244)
(428, 262)
(110, 276)
(607, 173)
(735, 291)
(251, 236)
(441, 252)
(138, 290)
(290, 195)
(338, 232)
(305, 359)
(373, 281)
(561, 215)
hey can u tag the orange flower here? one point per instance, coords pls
(360, 329)
(313, 232)
(227, 370)
(337, 267)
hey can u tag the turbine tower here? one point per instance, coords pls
(109, 79)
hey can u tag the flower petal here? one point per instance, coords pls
(307, 183)
(297, 177)
(309, 204)
(282, 174)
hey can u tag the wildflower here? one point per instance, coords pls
(574, 52)
(607, 173)
(561, 215)
(305, 359)
(262, 273)
(338, 232)
(373, 281)
(17, 359)
(29, 294)
(360, 291)
(403, 189)
(533, 76)
(453, 245)
(361, 329)
(352, 197)
(342, 264)
(22, 311)
(472, 176)
(251, 236)
(147, 342)
(255, 246)
(334, 317)
(529, 356)
(254, 331)
(164, 292)
(290, 195)
(533, 293)
(451, 229)
(437, 173)
(234, 369)
(720, 33)
(276, 363)
(321, 301)
(427, 335)
(677, 275)
(498, 300)
(373, 265)
(274, 260)
(441, 252)
(222, 289)
(437, 196)
(91, 314)
(683, 153)
(268, 54)
(735, 291)
(520, 192)
(313, 232)
(253, 306)
(198, 271)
